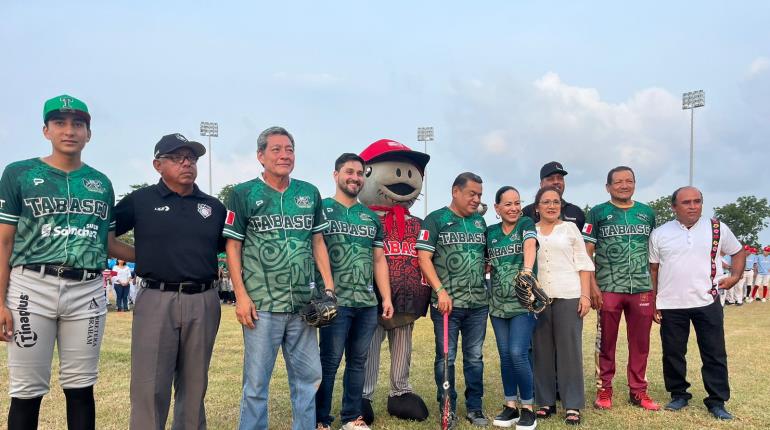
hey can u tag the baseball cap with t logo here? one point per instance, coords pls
(66, 104)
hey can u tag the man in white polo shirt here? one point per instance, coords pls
(684, 257)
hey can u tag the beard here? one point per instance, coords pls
(347, 191)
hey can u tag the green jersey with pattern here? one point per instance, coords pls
(350, 238)
(621, 239)
(276, 229)
(505, 253)
(60, 217)
(458, 246)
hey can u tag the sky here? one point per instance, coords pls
(508, 86)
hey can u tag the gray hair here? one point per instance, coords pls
(272, 131)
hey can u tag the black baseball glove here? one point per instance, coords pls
(321, 310)
(530, 294)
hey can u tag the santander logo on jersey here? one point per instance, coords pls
(48, 230)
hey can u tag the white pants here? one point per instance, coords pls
(48, 310)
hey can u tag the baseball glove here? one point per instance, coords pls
(321, 310)
(530, 294)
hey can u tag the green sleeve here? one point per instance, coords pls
(10, 198)
(590, 233)
(319, 217)
(235, 221)
(428, 237)
(379, 236)
(528, 230)
(111, 202)
(652, 218)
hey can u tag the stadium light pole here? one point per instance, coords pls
(691, 101)
(425, 135)
(210, 129)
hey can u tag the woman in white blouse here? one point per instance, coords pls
(564, 272)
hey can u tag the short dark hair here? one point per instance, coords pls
(60, 115)
(462, 179)
(676, 192)
(544, 190)
(344, 158)
(619, 169)
(503, 190)
(272, 131)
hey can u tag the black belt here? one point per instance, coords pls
(64, 271)
(186, 287)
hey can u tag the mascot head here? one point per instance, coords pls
(393, 174)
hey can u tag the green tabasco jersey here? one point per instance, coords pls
(506, 256)
(621, 238)
(60, 217)
(350, 237)
(458, 246)
(276, 229)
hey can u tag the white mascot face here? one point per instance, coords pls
(396, 181)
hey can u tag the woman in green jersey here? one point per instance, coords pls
(512, 248)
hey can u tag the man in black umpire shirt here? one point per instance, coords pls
(177, 232)
(552, 175)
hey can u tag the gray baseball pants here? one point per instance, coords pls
(172, 339)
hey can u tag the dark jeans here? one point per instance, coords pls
(514, 338)
(709, 331)
(121, 295)
(472, 325)
(350, 332)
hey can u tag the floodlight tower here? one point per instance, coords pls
(425, 135)
(691, 101)
(210, 129)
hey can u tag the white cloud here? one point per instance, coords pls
(758, 66)
(515, 128)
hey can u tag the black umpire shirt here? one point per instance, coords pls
(177, 238)
(569, 212)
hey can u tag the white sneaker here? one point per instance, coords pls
(749, 300)
(764, 300)
(358, 424)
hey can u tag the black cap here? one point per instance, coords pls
(171, 142)
(549, 169)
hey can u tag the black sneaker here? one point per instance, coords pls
(527, 421)
(508, 417)
(477, 418)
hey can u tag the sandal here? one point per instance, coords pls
(572, 417)
(545, 411)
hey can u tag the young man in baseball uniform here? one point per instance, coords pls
(55, 224)
(616, 234)
(354, 241)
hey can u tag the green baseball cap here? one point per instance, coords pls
(66, 104)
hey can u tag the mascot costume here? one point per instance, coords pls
(394, 177)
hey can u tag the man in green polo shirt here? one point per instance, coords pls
(616, 234)
(354, 241)
(56, 219)
(273, 227)
(450, 249)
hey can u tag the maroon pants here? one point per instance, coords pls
(638, 309)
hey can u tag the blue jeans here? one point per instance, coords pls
(300, 351)
(514, 337)
(472, 325)
(121, 296)
(351, 332)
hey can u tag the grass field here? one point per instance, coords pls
(748, 351)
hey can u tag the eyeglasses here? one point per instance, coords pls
(550, 202)
(179, 158)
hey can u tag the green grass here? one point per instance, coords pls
(748, 351)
